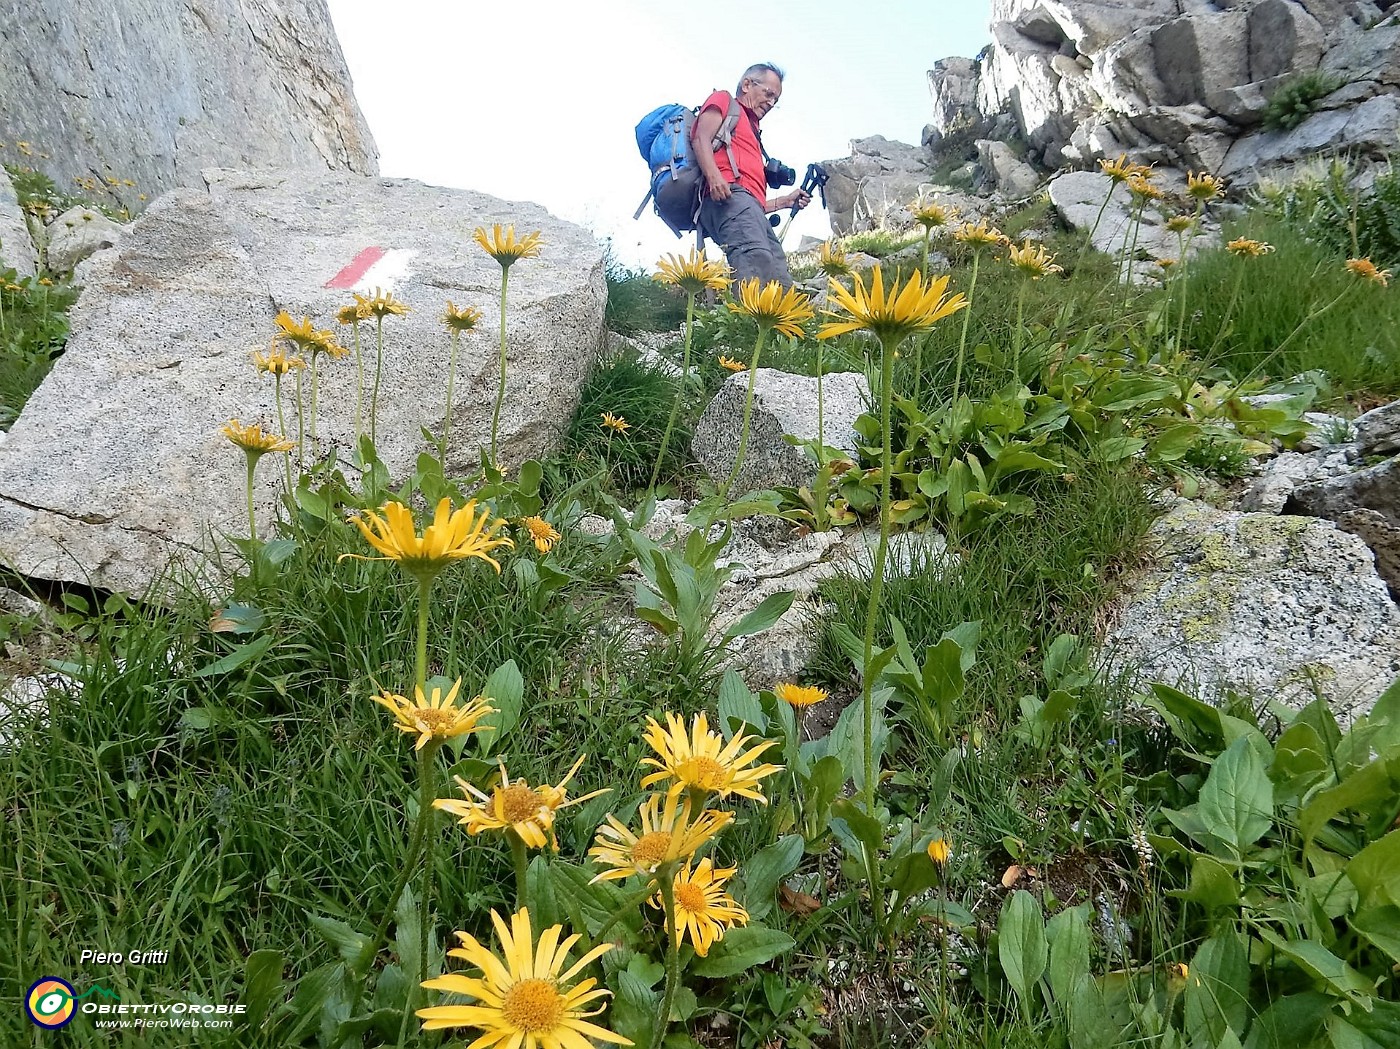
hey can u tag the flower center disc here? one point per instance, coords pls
(518, 803)
(691, 898)
(651, 849)
(533, 1005)
(436, 720)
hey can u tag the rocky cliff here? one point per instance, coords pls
(154, 90)
(1178, 82)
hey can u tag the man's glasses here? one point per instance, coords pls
(769, 95)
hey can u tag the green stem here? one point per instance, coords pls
(453, 338)
(359, 384)
(301, 427)
(1277, 350)
(252, 459)
(680, 392)
(282, 426)
(967, 320)
(666, 876)
(744, 425)
(378, 371)
(823, 492)
(501, 382)
(520, 859)
(421, 663)
(628, 906)
(1229, 309)
(923, 261)
(1020, 314)
(315, 397)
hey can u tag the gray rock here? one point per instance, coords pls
(1270, 491)
(1378, 431)
(1011, 175)
(1272, 606)
(1079, 198)
(158, 90)
(116, 464)
(1375, 489)
(1371, 128)
(16, 246)
(1327, 430)
(782, 404)
(77, 234)
(872, 186)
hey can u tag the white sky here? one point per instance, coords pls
(537, 99)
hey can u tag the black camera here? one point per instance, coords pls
(778, 174)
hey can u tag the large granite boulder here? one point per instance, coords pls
(152, 91)
(1273, 606)
(78, 234)
(16, 246)
(871, 186)
(116, 463)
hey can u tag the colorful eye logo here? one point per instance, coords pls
(49, 1002)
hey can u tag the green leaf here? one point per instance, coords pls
(262, 984)
(943, 681)
(1217, 990)
(1375, 871)
(741, 949)
(235, 659)
(1374, 784)
(1115, 449)
(1212, 885)
(1291, 1022)
(738, 707)
(1381, 926)
(765, 870)
(1237, 801)
(1321, 964)
(408, 929)
(351, 944)
(856, 830)
(1022, 948)
(505, 688)
(761, 618)
(1068, 933)
(1377, 1029)
(238, 619)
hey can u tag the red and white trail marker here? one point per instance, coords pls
(373, 268)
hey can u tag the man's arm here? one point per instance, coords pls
(706, 128)
(798, 199)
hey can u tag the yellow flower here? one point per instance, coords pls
(453, 535)
(352, 314)
(525, 998)
(25, 148)
(702, 761)
(302, 333)
(380, 305)
(692, 274)
(932, 214)
(275, 362)
(782, 309)
(46, 282)
(980, 235)
(917, 307)
(1122, 169)
(1243, 246)
(615, 422)
(833, 261)
(542, 532)
(703, 908)
(732, 365)
(1165, 264)
(799, 695)
(527, 811)
(1367, 270)
(504, 248)
(252, 439)
(1033, 260)
(464, 319)
(1180, 223)
(436, 717)
(1201, 186)
(1142, 190)
(939, 852)
(667, 834)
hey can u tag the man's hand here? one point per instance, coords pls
(716, 187)
(797, 199)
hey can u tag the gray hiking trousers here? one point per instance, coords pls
(741, 228)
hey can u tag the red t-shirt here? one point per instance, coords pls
(747, 152)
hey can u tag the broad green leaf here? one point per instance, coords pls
(1377, 1029)
(764, 616)
(1374, 784)
(505, 688)
(765, 869)
(1115, 449)
(1381, 926)
(1300, 761)
(741, 949)
(738, 707)
(1291, 1022)
(238, 619)
(351, 944)
(1021, 946)
(855, 830)
(943, 682)
(1059, 705)
(1320, 963)
(1237, 800)
(1217, 990)
(1375, 871)
(408, 930)
(1068, 933)
(1213, 885)
(235, 659)
(262, 984)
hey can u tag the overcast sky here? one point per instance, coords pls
(537, 99)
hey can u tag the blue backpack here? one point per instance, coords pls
(664, 140)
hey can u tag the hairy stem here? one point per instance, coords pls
(680, 392)
(744, 425)
(501, 382)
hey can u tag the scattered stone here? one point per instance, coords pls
(1375, 489)
(16, 246)
(1268, 492)
(77, 234)
(1276, 607)
(1012, 176)
(1378, 431)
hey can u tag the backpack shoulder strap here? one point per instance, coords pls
(725, 136)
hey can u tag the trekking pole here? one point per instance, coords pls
(814, 179)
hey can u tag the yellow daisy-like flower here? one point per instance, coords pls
(783, 310)
(939, 852)
(980, 235)
(615, 422)
(452, 536)
(275, 362)
(252, 439)
(799, 695)
(464, 319)
(541, 532)
(833, 261)
(352, 314)
(504, 248)
(703, 908)
(1180, 223)
(1122, 169)
(668, 834)
(1143, 191)
(916, 307)
(1366, 269)
(302, 333)
(729, 364)
(515, 806)
(435, 717)
(700, 760)
(1203, 187)
(1165, 264)
(931, 214)
(1033, 260)
(1245, 247)
(380, 305)
(525, 998)
(692, 274)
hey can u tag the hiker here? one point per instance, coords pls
(734, 205)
